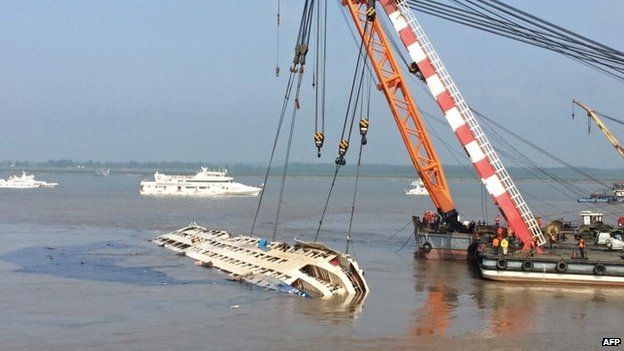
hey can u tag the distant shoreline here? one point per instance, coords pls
(295, 169)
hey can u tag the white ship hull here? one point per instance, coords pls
(305, 269)
(25, 181)
(417, 191)
(230, 189)
(516, 276)
(204, 183)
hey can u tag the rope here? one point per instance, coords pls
(400, 230)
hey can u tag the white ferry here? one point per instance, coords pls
(25, 181)
(204, 183)
(418, 188)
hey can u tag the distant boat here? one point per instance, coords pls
(418, 188)
(25, 181)
(102, 172)
(613, 195)
(204, 183)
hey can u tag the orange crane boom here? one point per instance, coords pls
(460, 117)
(404, 110)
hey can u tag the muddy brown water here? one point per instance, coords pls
(78, 273)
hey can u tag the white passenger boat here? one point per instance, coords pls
(418, 188)
(204, 183)
(25, 181)
(305, 268)
(102, 172)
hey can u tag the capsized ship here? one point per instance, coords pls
(25, 181)
(204, 183)
(308, 269)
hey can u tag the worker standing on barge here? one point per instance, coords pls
(504, 244)
(581, 246)
(496, 245)
(552, 240)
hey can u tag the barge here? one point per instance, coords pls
(561, 265)
(308, 269)
(445, 246)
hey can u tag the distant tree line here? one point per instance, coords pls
(295, 169)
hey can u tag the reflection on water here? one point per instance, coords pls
(336, 310)
(452, 304)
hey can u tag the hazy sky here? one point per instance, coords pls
(194, 80)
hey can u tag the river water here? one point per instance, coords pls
(79, 273)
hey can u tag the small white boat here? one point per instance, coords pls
(25, 181)
(204, 183)
(102, 172)
(305, 268)
(418, 188)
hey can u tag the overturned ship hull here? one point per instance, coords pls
(306, 269)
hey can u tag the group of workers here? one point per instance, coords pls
(502, 239)
(431, 220)
(501, 242)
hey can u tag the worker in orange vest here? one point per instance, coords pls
(581, 246)
(499, 233)
(496, 245)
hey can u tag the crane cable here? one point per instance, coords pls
(297, 68)
(501, 19)
(344, 143)
(277, 31)
(319, 76)
(364, 124)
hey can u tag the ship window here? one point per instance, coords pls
(202, 187)
(179, 188)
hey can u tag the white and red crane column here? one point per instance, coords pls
(486, 162)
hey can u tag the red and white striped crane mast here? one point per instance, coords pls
(460, 117)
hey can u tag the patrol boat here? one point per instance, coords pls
(25, 181)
